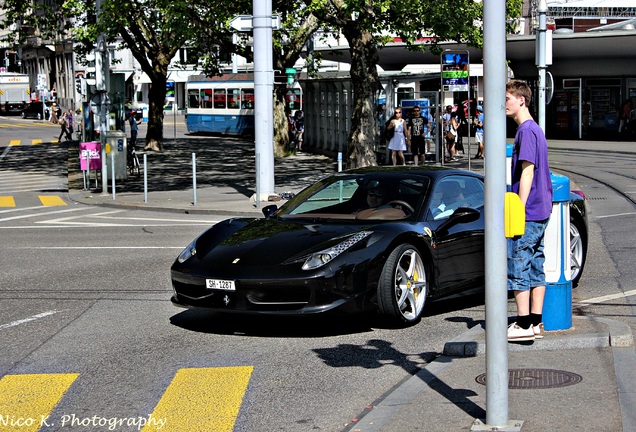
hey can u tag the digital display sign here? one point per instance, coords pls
(455, 75)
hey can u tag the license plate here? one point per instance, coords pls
(225, 285)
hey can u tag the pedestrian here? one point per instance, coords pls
(462, 128)
(416, 130)
(53, 118)
(397, 144)
(479, 132)
(450, 132)
(531, 181)
(290, 128)
(63, 122)
(134, 128)
(70, 125)
(381, 117)
(299, 127)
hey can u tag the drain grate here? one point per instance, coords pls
(537, 378)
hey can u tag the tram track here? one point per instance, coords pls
(597, 174)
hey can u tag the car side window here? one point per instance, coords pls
(453, 192)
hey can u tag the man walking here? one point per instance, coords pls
(416, 130)
(531, 181)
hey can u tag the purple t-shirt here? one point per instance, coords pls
(530, 145)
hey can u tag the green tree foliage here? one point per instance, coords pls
(153, 31)
(370, 24)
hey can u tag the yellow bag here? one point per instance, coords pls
(514, 215)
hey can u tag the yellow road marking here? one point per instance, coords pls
(27, 400)
(7, 201)
(206, 399)
(51, 200)
(36, 142)
(14, 142)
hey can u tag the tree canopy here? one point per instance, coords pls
(154, 31)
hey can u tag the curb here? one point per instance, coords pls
(472, 342)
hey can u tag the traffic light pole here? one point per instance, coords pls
(101, 86)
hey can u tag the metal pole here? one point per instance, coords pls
(263, 96)
(112, 170)
(194, 178)
(541, 60)
(339, 161)
(258, 185)
(495, 77)
(145, 178)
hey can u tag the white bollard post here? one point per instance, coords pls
(194, 178)
(145, 178)
(112, 169)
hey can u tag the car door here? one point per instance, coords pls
(459, 245)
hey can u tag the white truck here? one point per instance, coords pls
(14, 92)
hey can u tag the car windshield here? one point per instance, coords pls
(370, 196)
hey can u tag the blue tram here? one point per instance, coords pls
(225, 104)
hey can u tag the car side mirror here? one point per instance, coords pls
(269, 210)
(460, 215)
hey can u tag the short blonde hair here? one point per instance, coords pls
(519, 88)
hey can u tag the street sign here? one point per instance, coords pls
(41, 82)
(455, 74)
(243, 23)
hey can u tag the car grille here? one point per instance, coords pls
(248, 298)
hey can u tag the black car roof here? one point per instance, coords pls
(431, 171)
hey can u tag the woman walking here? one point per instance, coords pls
(397, 145)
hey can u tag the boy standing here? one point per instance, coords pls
(531, 181)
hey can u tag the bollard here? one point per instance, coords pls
(557, 305)
(112, 166)
(194, 179)
(145, 178)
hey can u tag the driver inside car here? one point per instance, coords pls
(450, 200)
(377, 204)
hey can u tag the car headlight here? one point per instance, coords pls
(318, 259)
(187, 253)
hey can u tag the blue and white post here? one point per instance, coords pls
(557, 305)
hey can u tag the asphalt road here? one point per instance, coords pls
(84, 302)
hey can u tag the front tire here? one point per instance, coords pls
(403, 287)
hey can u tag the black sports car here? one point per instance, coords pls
(372, 238)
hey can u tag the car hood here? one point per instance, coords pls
(268, 242)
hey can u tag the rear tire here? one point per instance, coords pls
(578, 252)
(403, 286)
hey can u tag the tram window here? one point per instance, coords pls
(206, 98)
(247, 98)
(219, 98)
(233, 96)
(193, 99)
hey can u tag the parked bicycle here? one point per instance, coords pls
(134, 167)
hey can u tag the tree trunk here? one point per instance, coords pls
(157, 99)
(365, 81)
(281, 128)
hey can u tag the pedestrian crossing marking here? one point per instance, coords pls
(213, 397)
(51, 200)
(14, 142)
(7, 201)
(27, 400)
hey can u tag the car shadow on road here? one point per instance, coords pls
(315, 326)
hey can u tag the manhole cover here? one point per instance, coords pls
(537, 378)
